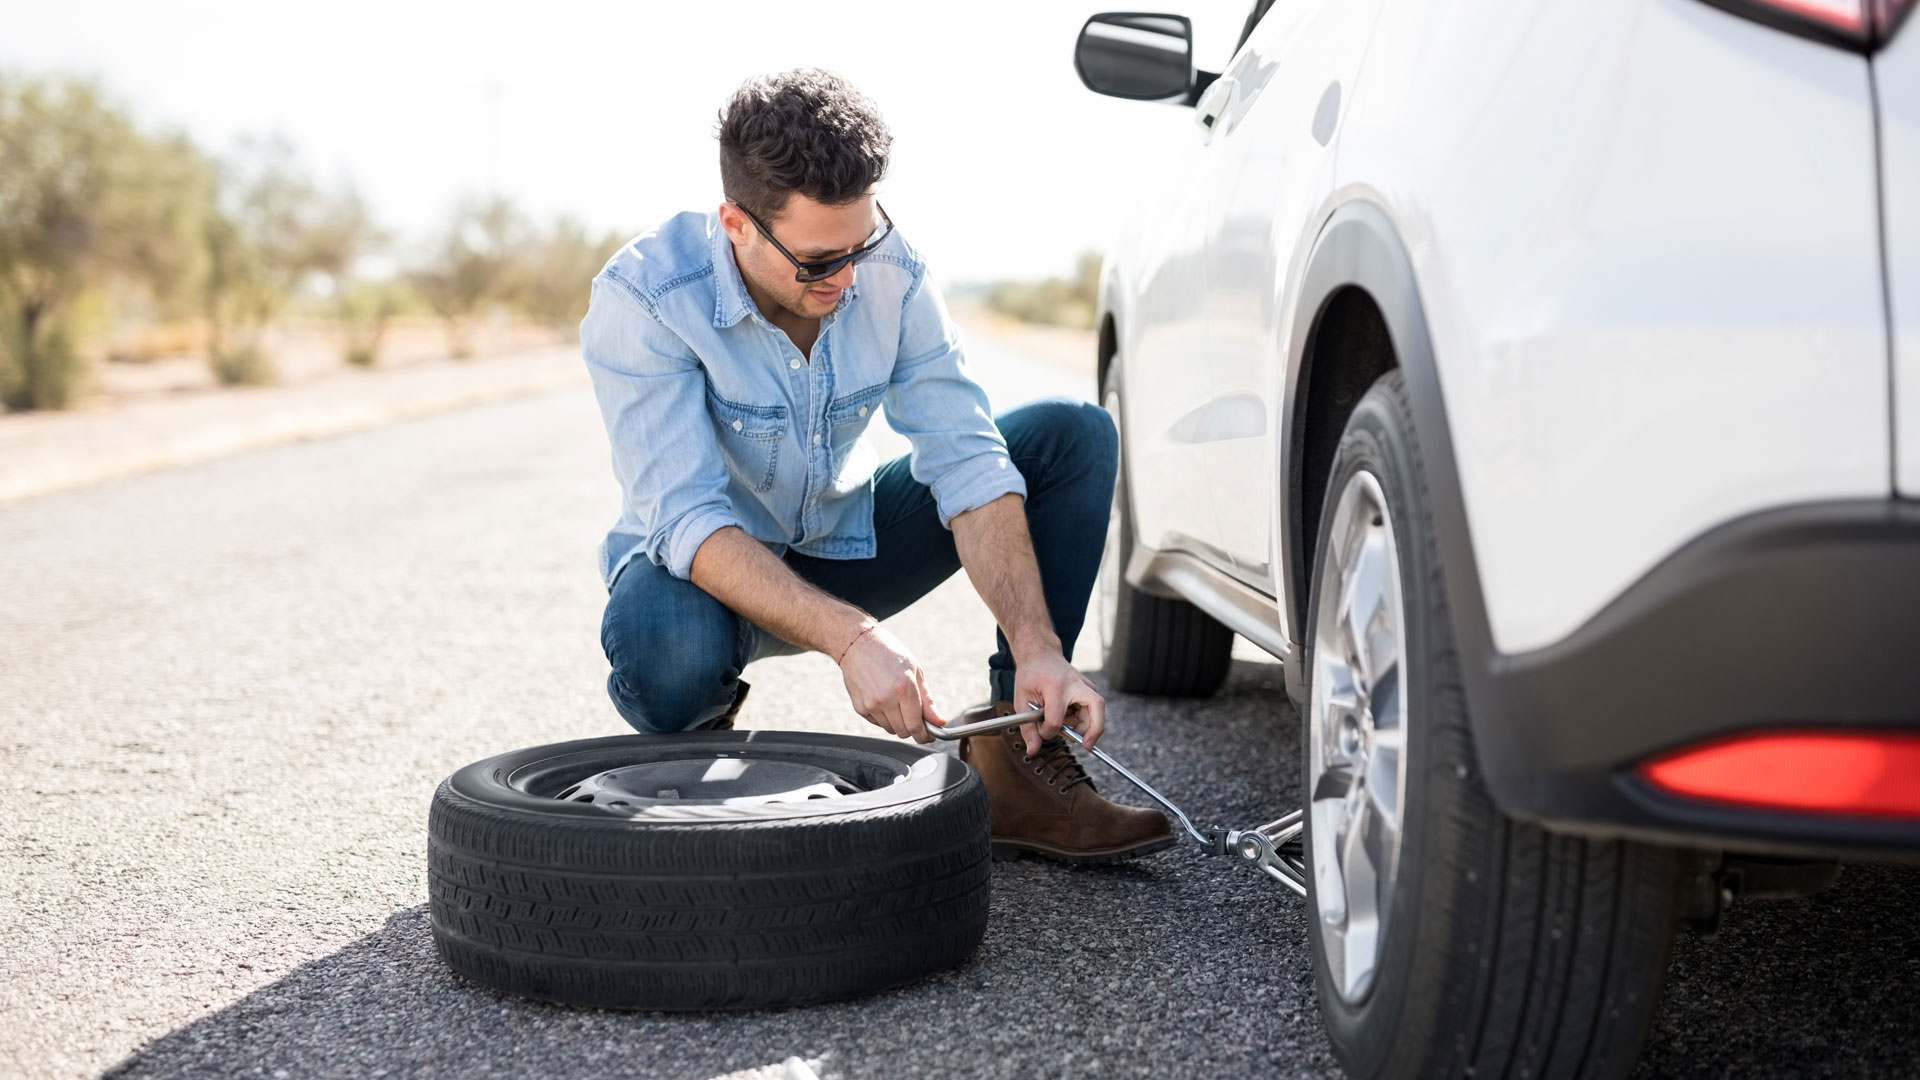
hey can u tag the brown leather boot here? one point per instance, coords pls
(1045, 803)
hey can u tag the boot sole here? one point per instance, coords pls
(1014, 850)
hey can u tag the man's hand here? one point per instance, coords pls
(997, 551)
(884, 683)
(1046, 679)
(887, 687)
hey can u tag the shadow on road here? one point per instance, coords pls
(1175, 966)
(1823, 987)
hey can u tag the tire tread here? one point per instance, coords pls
(1545, 953)
(619, 914)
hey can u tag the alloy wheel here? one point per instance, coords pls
(1357, 737)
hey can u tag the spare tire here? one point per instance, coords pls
(709, 870)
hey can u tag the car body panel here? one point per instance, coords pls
(1270, 163)
(1896, 73)
(1645, 238)
(1162, 335)
(1629, 258)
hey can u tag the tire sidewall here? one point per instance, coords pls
(707, 905)
(1366, 1032)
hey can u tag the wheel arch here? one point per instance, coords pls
(1106, 319)
(1347, 348)
(1554, 728)
(1360, 301)
(1108, 347)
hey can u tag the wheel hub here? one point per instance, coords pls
(1357, 732)
(733, 781)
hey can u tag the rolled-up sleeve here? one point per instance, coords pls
(652, 395)
(944, 413)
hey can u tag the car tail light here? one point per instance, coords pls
(1869, 774)
(1855, 24)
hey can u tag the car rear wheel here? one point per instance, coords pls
(1152, 644)
(1448, 939)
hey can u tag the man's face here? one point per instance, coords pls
(810, 230)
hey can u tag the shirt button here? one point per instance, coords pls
(737, 425)
(816, 438)
(794, 363)
(863, 410)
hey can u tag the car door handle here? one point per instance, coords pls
(1213, 103)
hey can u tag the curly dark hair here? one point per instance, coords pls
(805, 130)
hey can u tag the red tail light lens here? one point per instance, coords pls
(1860, 773)
(1857, 24)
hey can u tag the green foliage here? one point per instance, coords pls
(341, 230)
(270, 229)
(242, 365)
(1055, 301)
(556, 273)
(366, 309)
(102, 224)
(470, 265)
(44, 373)
(85, 199)
(344, 232)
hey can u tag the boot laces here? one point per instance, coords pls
(1055, 761)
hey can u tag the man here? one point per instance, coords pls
(738, 357)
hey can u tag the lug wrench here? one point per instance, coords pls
(1277, 847)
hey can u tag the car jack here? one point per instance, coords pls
(1276, 848)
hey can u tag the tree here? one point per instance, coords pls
(85, 199)
(366, 308)
(1056, 301)
(266, 234)
(344, 232)
(469, 266)
(555, 277)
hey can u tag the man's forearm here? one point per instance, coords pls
(997, 551)
(740, 572)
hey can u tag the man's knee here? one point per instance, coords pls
(1068, 441)
(671, 648)
(1074, 436)
(667, 689)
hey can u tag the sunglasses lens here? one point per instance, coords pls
(808, 272)
(811, 272)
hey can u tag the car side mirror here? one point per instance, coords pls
(1138, 56)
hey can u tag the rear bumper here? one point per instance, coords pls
(1803, 617)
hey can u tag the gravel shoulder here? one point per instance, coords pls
(47, 452)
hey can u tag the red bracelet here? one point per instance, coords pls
(856, 640)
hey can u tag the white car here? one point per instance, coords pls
(1540, 383)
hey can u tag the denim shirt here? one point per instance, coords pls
(716, 419)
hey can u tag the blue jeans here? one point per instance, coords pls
(677, 653)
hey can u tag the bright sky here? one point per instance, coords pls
(1004, 165)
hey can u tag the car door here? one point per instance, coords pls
(1162, 335)
(1272, 145)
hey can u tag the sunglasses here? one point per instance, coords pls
(811, 270)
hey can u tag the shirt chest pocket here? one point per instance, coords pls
(848, 417)
(750, 438)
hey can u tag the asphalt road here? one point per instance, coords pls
(227, 692)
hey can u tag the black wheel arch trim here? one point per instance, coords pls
(1740, 629)
(1359, 247)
